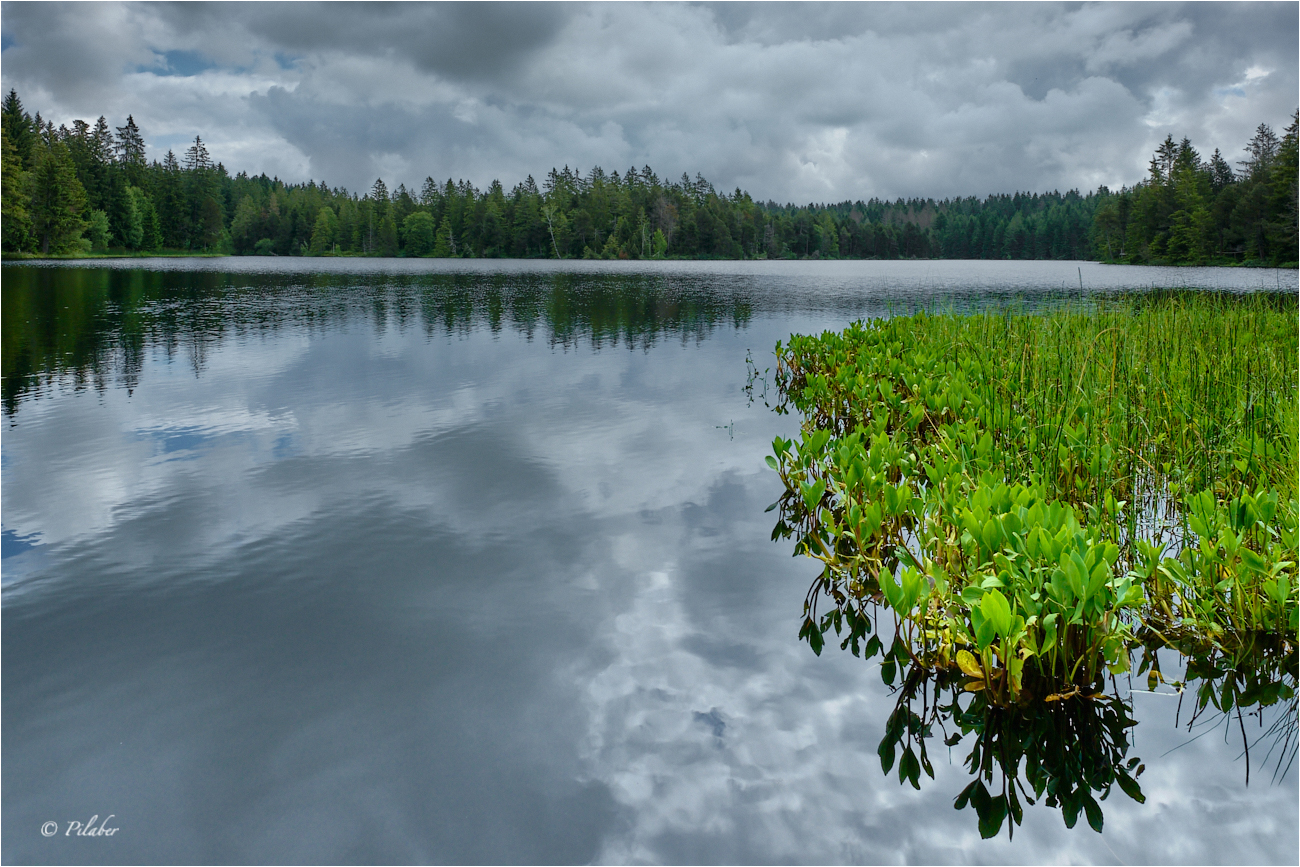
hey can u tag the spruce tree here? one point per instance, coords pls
(130, 151)
(173, 221)
(58, 200)
(444, 246)
(196, 156)
(15, 220)
(20, 128)
(1220, 172)
(387, 236)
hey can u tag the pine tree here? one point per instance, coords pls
(1283, 226)
(102, 145)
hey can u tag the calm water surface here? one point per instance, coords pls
(387, 561)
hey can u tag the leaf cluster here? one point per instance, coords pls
(1026, 492)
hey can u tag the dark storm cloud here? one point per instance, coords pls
(456, 41)
(790, 101)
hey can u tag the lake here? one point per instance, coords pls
(467, 561)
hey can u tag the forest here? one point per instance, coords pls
(90, 190)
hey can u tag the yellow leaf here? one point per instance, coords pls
(966, 662)
(974, 686)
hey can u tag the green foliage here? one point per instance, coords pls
(387, 239)
(15, 219)
(445, 243)
(659, 244)
(97, 233)
(1032, 502)
(418, 231)
(1012, 487)
(57, 200)
(1191, 211)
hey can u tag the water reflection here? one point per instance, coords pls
(349, 586)
(1072, 753)
(83, 325)
(87, 327)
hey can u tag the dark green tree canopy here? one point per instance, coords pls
(1189, 210)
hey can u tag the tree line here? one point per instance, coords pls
(89, 188)
(1191, 210)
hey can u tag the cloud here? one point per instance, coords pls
(794, 102)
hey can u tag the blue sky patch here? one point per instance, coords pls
(184, 63)
(12, 544)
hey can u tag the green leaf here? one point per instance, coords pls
(812, 493)
(991, 818)
(1253, 561)
(886, 753)
(991, 535)
(887, 670)
(1093, 809)
(1130, 786)
(1017, 812)
(964, 796)
(909, 769)
(815, 641)
(893, 591)
(984, 630)
(925, 763)
(997, 610)
(771, 462)
(1076, 572)
(1070, 809)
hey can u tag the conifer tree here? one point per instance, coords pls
(130, 144)
(15, 220)
(444, 245)
(196, 156)
(173, 221)
(387, 241)
(22, 131)
(58, 200)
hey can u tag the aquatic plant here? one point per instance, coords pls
(1026, 493)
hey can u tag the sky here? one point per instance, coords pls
(796, 103)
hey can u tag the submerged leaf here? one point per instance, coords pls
(966, 662)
